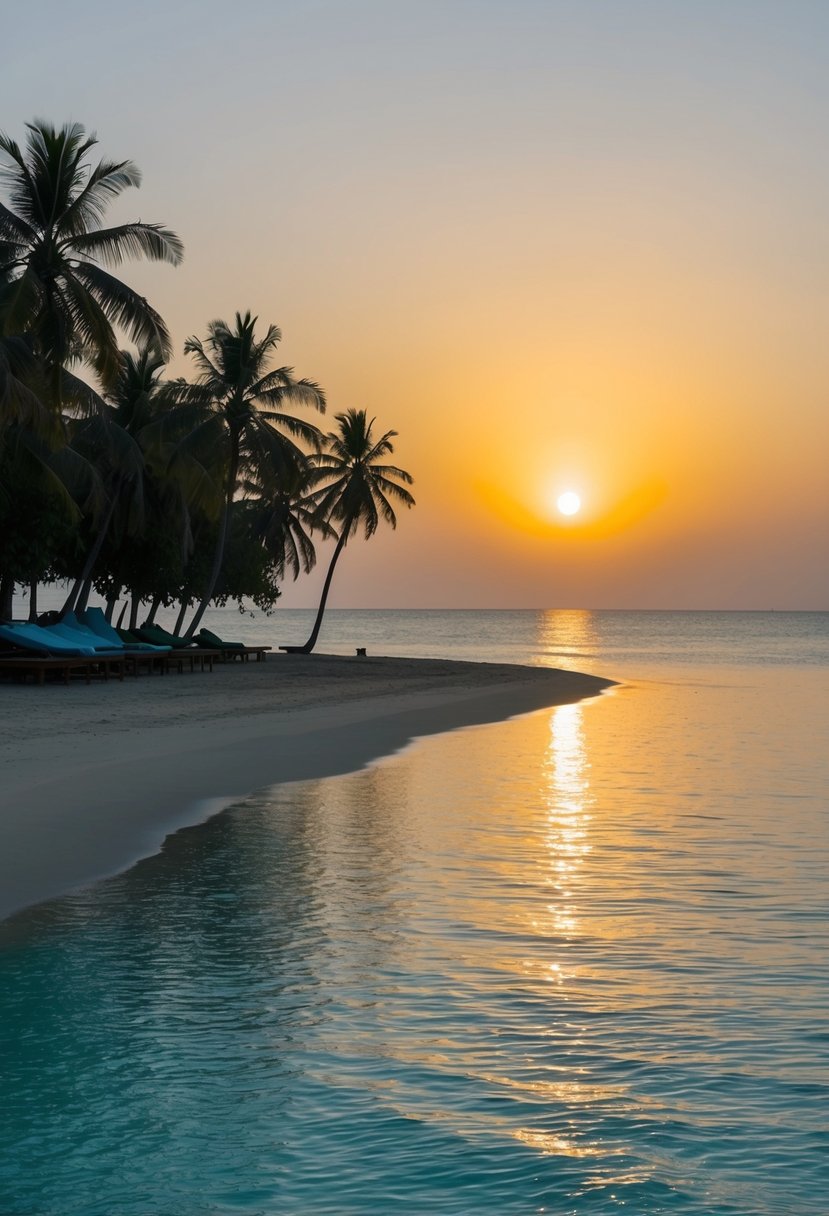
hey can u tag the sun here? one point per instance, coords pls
(568, 503)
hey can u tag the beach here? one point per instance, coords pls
(95, 777)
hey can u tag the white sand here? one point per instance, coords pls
(92, 778)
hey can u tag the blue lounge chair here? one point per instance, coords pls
(95, 620)
(43, 641)
(81, 636)
(160, 637)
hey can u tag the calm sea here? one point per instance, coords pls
(575, 962)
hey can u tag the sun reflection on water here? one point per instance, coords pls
(568, 817)
(567, 638)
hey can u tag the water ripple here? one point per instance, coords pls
(504, 972)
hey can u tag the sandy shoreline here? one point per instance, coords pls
(94, 777)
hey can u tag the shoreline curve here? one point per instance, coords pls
(94, 778)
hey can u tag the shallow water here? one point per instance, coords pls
(573, 963)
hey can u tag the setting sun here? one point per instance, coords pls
(568, 503)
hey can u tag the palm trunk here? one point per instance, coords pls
(112, 600)
(221, 539)
(6, 597)
(69, 602)
(82, 586)
(33, 601)
(153, 610)
(136, 604)
(185, 607)
(120, 624)
(312, 640)
(83, 598)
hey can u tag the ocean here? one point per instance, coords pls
(574, 962)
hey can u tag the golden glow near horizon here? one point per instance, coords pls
(522, 240)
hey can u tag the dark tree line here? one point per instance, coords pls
(153, 492)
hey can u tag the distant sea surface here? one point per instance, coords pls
(574, 962)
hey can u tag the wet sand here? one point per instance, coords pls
(92, 778)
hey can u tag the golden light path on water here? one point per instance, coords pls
(568, 816)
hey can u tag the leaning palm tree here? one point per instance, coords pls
(355, 488)
(235, 411)
(53, 249)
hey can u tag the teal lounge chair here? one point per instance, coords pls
(233, 650)
(95, 620)
(205, 638)
(43, 641)
(160, 637)
(80, 636)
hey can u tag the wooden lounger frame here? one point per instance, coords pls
(102, 666)
(243, 653)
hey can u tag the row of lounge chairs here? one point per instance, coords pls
(90, 646)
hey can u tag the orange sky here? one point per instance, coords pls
(556, 246)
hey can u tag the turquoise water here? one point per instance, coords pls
(571, 963)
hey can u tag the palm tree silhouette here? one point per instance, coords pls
(284, 515)
(236, 412)
(354, 490)
(53, 285)
(110, 440)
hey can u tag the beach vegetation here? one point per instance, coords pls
(57, 285)
(159, 492)
(355, 489)
(236, 411)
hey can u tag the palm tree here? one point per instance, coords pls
(356, 490)
(235, 410)
(284, 516)
(110, 440)
(53, 285)
(44, 492)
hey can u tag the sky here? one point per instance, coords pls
(555, 245)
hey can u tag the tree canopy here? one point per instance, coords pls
(173, 493)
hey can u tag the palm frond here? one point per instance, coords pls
(15, 229)
(91, 328)
(20, 389)
(382, 447)
(107, 181)
(208, 371)
(55, 174)
(71, 477)
(391, 470)
(297, 427)
(20, 300)
(137, 240)
(386, 509)
(109, 446)
(124, 307)
(80, 397)
(14, 172)
(290, 392)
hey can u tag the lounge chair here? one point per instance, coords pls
(72, 630)
(160, 637)
(94, 619)
(38, 651)
(205, 638)
(41, 640)
(232, 650)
